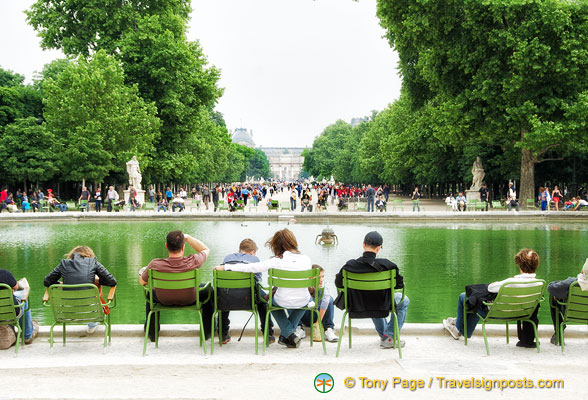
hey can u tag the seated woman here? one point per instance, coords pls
(528, 261)
(35, 203)
(10, 205)
(162, 204)
(287, 257)
(54, 203)
(80, 266)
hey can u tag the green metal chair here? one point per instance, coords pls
(84, 205)
(361, 206)
(384, 280)
(274, 205)
(397, 204)
(71, 205)
(284, 206)
(530, 204)
(195, 205)
(233, 280)
(173, 280)
(240, 205)
(149, 206)
(576, 311)
(497, 205)
(512, 303)
(222, 205)
(45, 206)
(79, 305)
(278, 278)
(8, 313)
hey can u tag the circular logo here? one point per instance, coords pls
(349, 382)
(324, 383)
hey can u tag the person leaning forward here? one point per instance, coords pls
(375, 304)
(177, 262)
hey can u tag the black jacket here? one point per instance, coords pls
(476, 294)
(79, 270)
(369, 304)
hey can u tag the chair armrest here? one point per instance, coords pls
(46, 296)
(111, 294)
(207, 285)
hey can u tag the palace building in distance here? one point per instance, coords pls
(285, 162)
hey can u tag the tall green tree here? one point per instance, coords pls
(99, 123)
(26, 151)
(259, 165)
(497, 71)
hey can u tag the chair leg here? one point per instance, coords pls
(536, 335)
(485, 338)
(465, 325)
(51, 337)
(105, 334)
(19, 333)
(349, 324)
(156, 330)
(321, 330)
(202, 337)
(341, 332)
(63, 334)
(146, 332)
(507, 334)
(561, 337)
(397, 335)
(266, 331)
(255, 330)
(212, 333)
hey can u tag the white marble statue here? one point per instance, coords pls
(134, 173)
(478, 174)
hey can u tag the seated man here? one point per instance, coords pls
(85, 196)
(322, 201)
(450, 201)
(511, 197)
(375, 304)
(178, 202)
(134, 203)
(177, 262)
(21, 290)
(326, 312)
(580, 203)
(560, 290)
(527, 261)
(246, 255)
(54, 203)
(342, 204)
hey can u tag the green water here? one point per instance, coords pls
(436, 260)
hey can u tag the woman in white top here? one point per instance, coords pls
(286, 257)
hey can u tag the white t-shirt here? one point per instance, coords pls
(521, 278)
(285, 297)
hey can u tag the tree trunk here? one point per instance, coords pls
(527, 190)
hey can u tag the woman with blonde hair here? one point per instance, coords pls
(287, 257)
(80, 266)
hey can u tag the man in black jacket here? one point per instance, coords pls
(375, 304)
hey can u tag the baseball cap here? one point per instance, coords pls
(373, 238)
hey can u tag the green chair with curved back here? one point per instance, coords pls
(576, 311)
(370, 281)
(530, 204)
(279, 278)
(84, 205)
(79, 305)
(173, 280)
(233, 280)
(8, 313)
(513, 303)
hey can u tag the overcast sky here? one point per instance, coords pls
(289, 67)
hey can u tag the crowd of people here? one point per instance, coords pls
(80, 265)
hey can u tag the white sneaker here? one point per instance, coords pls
(451, 321)
(452, 329)
(330, 335)
(91, 329)
(300, 332)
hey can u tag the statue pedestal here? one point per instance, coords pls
(472, 195)
(140, 196)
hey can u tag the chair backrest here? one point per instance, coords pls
(295, 280)
(173, 281)
(577, 306)
(234, 280)
(76, 304)
(7, 310)
(370, 281)
(516, 301)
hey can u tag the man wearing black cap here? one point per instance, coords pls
(375, 304)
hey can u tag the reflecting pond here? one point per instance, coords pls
(436, 259)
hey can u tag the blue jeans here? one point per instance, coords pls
(292, 204)
(159, 208)
(370, 201)
(327, 320)
(28, 320)
(287, 323)
(386, 328)
(416, 204)
(472, 318)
